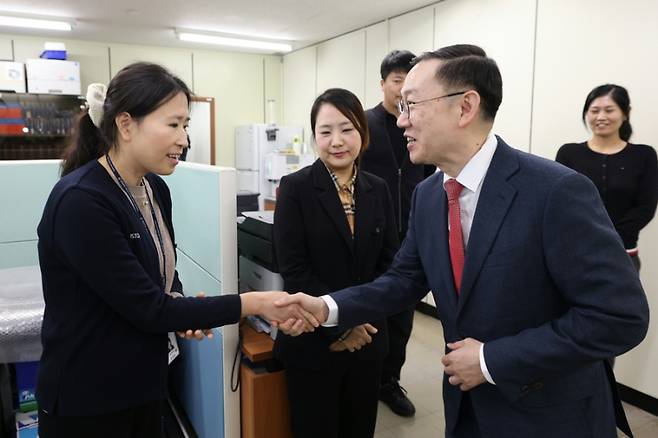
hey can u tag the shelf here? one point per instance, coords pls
(25, 136)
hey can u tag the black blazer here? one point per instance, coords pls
(105, 324)
(317, 254)
(380, 160)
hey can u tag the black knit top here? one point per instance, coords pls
(626, 180)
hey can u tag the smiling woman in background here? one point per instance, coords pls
(108, 265)
(626, 174)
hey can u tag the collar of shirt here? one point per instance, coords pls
(473, 173)
(471, 178)
(347, 187)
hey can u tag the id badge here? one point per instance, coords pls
(173, 347)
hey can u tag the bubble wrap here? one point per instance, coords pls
(21, 313)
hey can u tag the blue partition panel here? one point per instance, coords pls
(199, 382)
(24, 189)
(17, 254)
(195, 193)
(195, 197)
(25, 186)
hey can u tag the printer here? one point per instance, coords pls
(257, 266)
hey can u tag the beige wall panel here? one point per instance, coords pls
(299, 88)
(413, 31)
(236, 82)
(376, 50)
(510, 44)
(342, 62)
(178, 61)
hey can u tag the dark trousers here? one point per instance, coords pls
(143, 421)
(340, 402)
(467, 425)
(399, 331)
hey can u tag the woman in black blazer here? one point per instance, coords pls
(107, 259)
(334, 227)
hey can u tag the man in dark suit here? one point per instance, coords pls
(534, 288)
(388, 158)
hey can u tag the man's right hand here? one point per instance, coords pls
(314, 305)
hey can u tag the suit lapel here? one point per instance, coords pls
(495, 200)
(328, 197)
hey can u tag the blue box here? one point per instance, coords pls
(26, 382)
(53, 54)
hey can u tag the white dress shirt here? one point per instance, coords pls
(471, 178)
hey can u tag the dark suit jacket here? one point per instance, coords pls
(105, 324)
(380, 159)
(547, 286)
(317, 254)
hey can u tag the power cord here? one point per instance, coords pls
(236, 364)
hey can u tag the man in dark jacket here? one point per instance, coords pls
(388, 158)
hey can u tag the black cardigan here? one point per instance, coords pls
(627, 182)
(106, 319)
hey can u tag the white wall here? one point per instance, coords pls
(239, 82)
(6, 51)
(342, 63)
(178, 61)
(546, 78)
(413, 31)
(512, 46)
(299, 88)
(376, 48)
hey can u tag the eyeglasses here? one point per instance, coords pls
(403, 105)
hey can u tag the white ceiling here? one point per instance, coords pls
(152, 22)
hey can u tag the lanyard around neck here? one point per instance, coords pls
(138, 213)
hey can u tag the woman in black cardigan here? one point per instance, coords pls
(107, 259)
(334, 227)
(626, 174)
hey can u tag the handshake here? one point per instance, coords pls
(292, 314)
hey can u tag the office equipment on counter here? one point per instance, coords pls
(253, 144)
(280, 163)
(257, 266)
(51, 76)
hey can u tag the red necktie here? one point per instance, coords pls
(455, 237)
